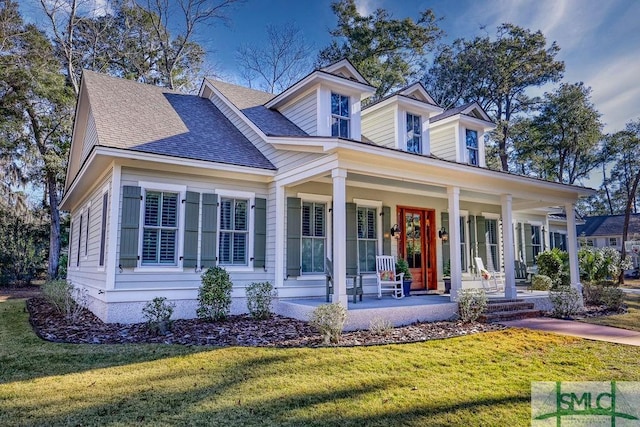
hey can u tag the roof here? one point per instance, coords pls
(250, 103)
(608, 225)
(459, 110)
(142, 117)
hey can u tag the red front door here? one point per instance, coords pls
(417, 246)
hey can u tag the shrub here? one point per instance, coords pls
(214, 295)
(157, 313)
(540, 282)
(592, 293)
(380, 326)
(329, 320)
(612, 298)
(550, 264)
(602, 264)
(66, 298)
(565, 301)
(471, 304)
(259, 297)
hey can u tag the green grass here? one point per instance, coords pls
(483, 379)
(629, 320)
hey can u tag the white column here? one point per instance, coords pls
(572, 247)
(339, 177)
(280, 235)
(508, 250)
(455, 257)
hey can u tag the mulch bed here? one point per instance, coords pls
(240, 330)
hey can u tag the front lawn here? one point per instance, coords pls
(629, 320)
(482, 379)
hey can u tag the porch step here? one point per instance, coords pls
(503, 310)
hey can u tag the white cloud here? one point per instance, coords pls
(366, 7)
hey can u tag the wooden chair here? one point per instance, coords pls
(387, 278)
(489, 281)
(354, 283)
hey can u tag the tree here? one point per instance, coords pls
(386, 51)
(562, 142)
(280, 62)
(496, 74)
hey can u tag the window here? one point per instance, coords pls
(613, 241)
(103, 226)
(558, 240)
(234, 231)
(340, 118)
(414, 134)
(536, 242)
(160, 232)
(492, 244)
(367, 239)
(472, 147)
(591, 243)
(314, 237)
(79, 241)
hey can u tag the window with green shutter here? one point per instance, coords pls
(234, 231)
(314, 237)
(160, 228)
(367, 219)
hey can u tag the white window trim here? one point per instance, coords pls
(405, 139)
(377, 204)
(105, 189)
(498, 218)
(251, 198)
(321, 198)
(349, 117)
(182, 194)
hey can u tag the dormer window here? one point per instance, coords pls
(340, 117)
(472, 147)
(414, 134)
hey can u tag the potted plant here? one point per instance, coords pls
(402, 266)
(446, 276)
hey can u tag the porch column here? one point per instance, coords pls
(339, 177)
(572, 247)
(455, 257)
(279, 273)
(507, 247)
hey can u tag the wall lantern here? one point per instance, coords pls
(395, 231)
(442, 233)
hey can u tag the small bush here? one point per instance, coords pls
(592, 293)
(259, 297)
(471, 304)
(157, 313)
(550, 264)
(380, 326)
(214, 295)
(565, 301)
(540, 282)
(329, 320)
(66, 298)
(613, 298)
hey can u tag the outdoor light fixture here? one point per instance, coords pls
(442, 233)
(395, 231)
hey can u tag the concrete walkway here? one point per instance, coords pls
(578, 329)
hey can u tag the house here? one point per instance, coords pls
(161, 185)
(606, 231)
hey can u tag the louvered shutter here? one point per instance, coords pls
(446, 254)
(386, 226)
(129, 227)
(528, 244)
(294, 238)
(208, 238)
(191, 217)
(260, 233)
(481, 227)
(352, 239)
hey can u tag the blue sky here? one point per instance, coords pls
(599, 39)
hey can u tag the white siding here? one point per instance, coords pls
(304, 113)
(90, 137)
(443, 143)
(379, 127)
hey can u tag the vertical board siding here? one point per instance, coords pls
(443, 143)
(304, 113)
(379, 127)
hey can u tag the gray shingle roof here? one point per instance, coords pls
(608, 225)
(152, 119)
(250, 103)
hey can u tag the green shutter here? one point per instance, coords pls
(481, 227)
(352, 239)
(191, 217)
(528, 244)
(294, 238)
(519, 245)
(446, 250)
(208, 245)
(472, 240)
(386, 226)
(129, 226)
(260, 233)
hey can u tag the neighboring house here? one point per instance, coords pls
(606, 231)
(162, 185)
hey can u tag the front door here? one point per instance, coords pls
(417, 246)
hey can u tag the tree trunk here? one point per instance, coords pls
(54, 227)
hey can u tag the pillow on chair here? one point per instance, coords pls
(387, 275)
(485, 274)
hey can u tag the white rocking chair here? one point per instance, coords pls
(387, 278)
(489, 280)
